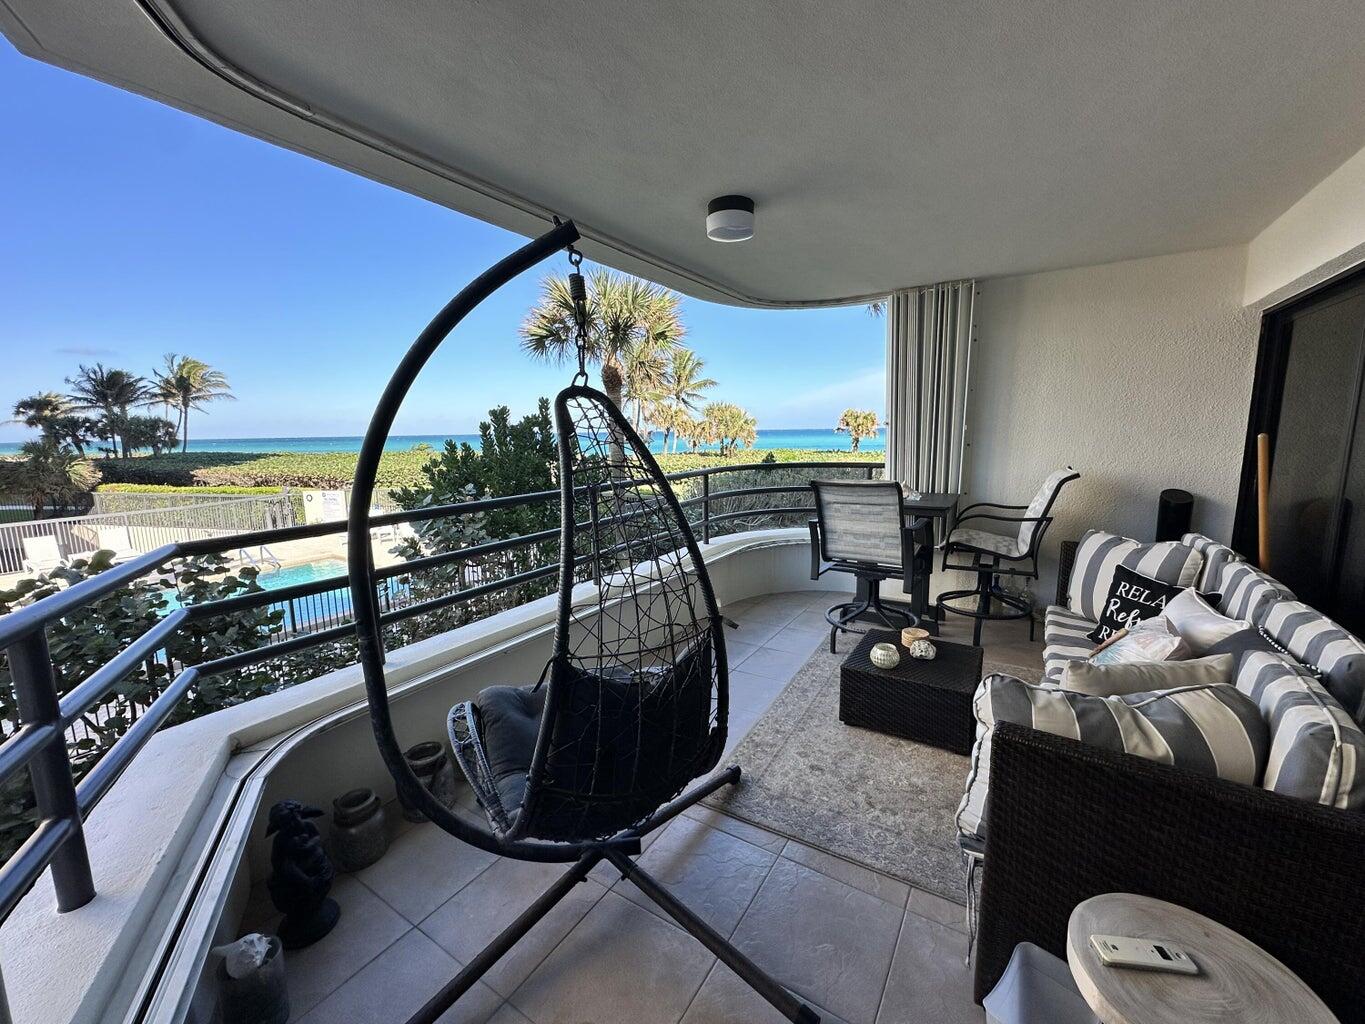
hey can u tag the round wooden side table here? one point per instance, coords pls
(1237, 980)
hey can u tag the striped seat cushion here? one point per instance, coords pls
(1099, 554)
(1317, 752)
(1064, 640)
(1215, 557)
(1213, 729)
(1316, 640)
(1242, 588)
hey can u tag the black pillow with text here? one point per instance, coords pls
(1132, 598)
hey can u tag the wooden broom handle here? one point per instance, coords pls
(1263, 500)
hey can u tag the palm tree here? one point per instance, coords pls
(625, 314)
(670, 418)
(696, 433)
(730, 426)
(111, 392)
(645, 377)
(857, 424)
(164, 392)
(685, 382)
(49, 473)
(41, 411)
(188, 383)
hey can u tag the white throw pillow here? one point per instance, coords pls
(1198, 622)
(1146, 676)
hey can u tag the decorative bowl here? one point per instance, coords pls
(912, 633)
(923, 650)
(884, 655)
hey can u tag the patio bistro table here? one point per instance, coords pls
(1237, 979)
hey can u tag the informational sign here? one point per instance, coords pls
(324, 506)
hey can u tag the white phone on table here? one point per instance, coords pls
(1142, 954)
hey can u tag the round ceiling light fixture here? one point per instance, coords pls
(730, 219)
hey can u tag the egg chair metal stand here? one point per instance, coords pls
(633, 704)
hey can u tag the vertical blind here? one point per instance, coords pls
(929, 333)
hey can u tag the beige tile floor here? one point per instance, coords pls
(862, 947)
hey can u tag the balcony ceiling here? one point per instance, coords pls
(887, 143)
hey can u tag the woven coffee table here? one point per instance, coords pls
(926, 701)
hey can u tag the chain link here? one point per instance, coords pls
(579, 294)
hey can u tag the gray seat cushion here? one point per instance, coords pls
(1320, 643)
(1317, 752)
(1243, 588)
(1214, 729)
(509, 722)
(1216, 556)
(1064, 640)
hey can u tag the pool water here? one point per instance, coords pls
(308, 572)
(306, 608)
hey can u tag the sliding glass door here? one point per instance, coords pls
(1308, 399)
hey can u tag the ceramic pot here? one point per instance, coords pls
(433, 769)
(884, 655)
(260, 997)
(360, 832)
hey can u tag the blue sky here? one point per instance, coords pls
(132, 229)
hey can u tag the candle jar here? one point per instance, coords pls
(359, 830)
(434, 771)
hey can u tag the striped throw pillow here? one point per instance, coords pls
(1316, 640)
(1215, 557)
(1317, 752)
(1099, 554)
(1213, 729)
(1243, 588)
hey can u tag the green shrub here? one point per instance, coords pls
(334, 470)
(327, 470)
(680, 461)
(174, 489)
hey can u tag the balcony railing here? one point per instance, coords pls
(757, 494)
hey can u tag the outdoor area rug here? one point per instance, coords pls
(876, 800)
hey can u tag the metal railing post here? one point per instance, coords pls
(35, 689)
(706, 508)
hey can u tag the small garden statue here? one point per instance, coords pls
(301, 875)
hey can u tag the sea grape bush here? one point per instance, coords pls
(94, 634)
(397, 470)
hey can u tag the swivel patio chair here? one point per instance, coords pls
(633, 702)
(860, 528)
(991, 554)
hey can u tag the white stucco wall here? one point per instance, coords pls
(1138, 374)
(1317, 238)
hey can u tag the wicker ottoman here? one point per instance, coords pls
(926, 701)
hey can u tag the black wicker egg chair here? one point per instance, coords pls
(632, 705)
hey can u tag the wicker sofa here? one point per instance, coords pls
(1068, 821)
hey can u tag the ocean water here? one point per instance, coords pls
(820, 439)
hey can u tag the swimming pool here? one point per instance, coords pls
(307, 572)
(301, 610)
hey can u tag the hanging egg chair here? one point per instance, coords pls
(632, 705)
